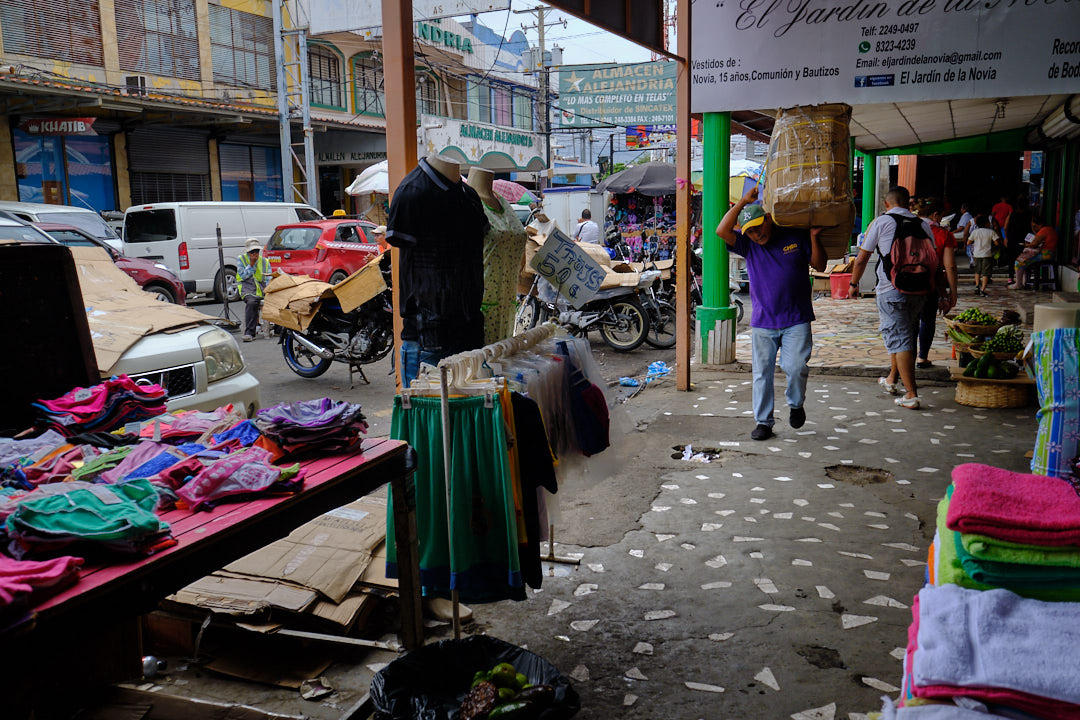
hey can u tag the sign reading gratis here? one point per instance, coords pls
(565, 265)
(604, 95)
(762, 54)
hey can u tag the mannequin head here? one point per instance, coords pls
(446, 167)
(480, 180)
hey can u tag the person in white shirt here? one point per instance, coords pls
(983, 240)
(587, 231)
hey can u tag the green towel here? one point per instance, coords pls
(951, 570)
(982, 547)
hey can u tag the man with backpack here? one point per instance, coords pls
(907, 273)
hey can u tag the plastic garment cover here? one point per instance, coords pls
(430, 683)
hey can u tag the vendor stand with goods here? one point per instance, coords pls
(642, 209)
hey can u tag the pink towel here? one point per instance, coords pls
(1028, 509)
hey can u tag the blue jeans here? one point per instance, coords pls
(794, 344)
(411, 357)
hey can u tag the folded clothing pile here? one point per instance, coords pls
(104, 407)
(95, 519)
(312, 424)
(24, 581)
(246, 472)
(995, 647)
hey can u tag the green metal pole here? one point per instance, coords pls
(716, 179)
(869, 187)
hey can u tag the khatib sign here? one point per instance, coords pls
(57, 126)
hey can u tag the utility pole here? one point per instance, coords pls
(294, 102)
(540, 13)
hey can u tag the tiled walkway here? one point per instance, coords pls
(846, 331)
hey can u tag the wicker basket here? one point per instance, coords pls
(997, 356)
(968, 348)
(975, 393)
(977, 330)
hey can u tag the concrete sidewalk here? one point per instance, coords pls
(771, 582)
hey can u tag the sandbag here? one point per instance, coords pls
(429, 683)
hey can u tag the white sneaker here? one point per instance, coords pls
(909, 403)
(888, 386)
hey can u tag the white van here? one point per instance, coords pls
(183, 236)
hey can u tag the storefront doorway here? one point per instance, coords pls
(65, 170)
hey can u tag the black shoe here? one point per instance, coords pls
(761, 432)
(797, 418)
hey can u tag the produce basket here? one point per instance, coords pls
(976, 353)
(981, 394)
(969, 348)
(980, 330)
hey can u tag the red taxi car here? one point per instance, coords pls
(329, 250)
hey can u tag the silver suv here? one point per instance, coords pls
(81, 218)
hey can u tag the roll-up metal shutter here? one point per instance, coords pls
(168, 165)
(68, 30)
(158, 37)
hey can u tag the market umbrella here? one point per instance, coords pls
(654, 178)
(513, 192)
(375, 179)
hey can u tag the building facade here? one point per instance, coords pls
(111, 103)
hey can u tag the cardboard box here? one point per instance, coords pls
(291, 301)
(327, 555)
(808, 181)
(243, 596)
(361, 286)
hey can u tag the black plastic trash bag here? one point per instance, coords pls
(430, 683)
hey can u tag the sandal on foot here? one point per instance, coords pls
(924, 364)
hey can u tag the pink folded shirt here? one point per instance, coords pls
(1016, 507)
(20, 578)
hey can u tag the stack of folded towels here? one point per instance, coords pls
(995, 630)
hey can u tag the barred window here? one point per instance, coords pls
(158, 37)
(68, 30)
(242, 46)
(427, 94)
(324, 72)
(368, 82)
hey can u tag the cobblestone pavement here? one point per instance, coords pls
(846, 331)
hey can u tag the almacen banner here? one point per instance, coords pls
(760, 54)
(622, 95)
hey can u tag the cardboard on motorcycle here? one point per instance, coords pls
(570, 268)
(363, 285)
(118, 311)
(292, 300)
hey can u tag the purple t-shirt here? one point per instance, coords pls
(779, 277)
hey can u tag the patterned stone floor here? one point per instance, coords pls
(846, 331)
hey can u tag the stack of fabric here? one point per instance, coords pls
(101, 408)
(1000, 613)
(312, 425)
(1003, 529)
(25, 581)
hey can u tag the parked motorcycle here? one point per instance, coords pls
(617, 313)
(360, 337)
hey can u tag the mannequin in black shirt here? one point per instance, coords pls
(438, 224)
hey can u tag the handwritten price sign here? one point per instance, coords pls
(565, 265)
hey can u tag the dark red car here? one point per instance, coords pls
(152, 277)
(329, 250)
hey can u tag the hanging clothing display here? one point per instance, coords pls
(504, 246)
(534, 407)
(439, 227)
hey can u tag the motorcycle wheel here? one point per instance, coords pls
(300, 360)
(739, 311)
(630, 328)
(661, 325)
(528, 314)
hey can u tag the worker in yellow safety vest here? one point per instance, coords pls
(252, 277)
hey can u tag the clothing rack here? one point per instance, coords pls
(460, 372)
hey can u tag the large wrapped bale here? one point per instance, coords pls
(808, 174)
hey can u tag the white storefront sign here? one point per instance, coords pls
(328, 16)
(490, 146)
(762, 54)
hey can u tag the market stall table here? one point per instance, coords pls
(97, 613)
